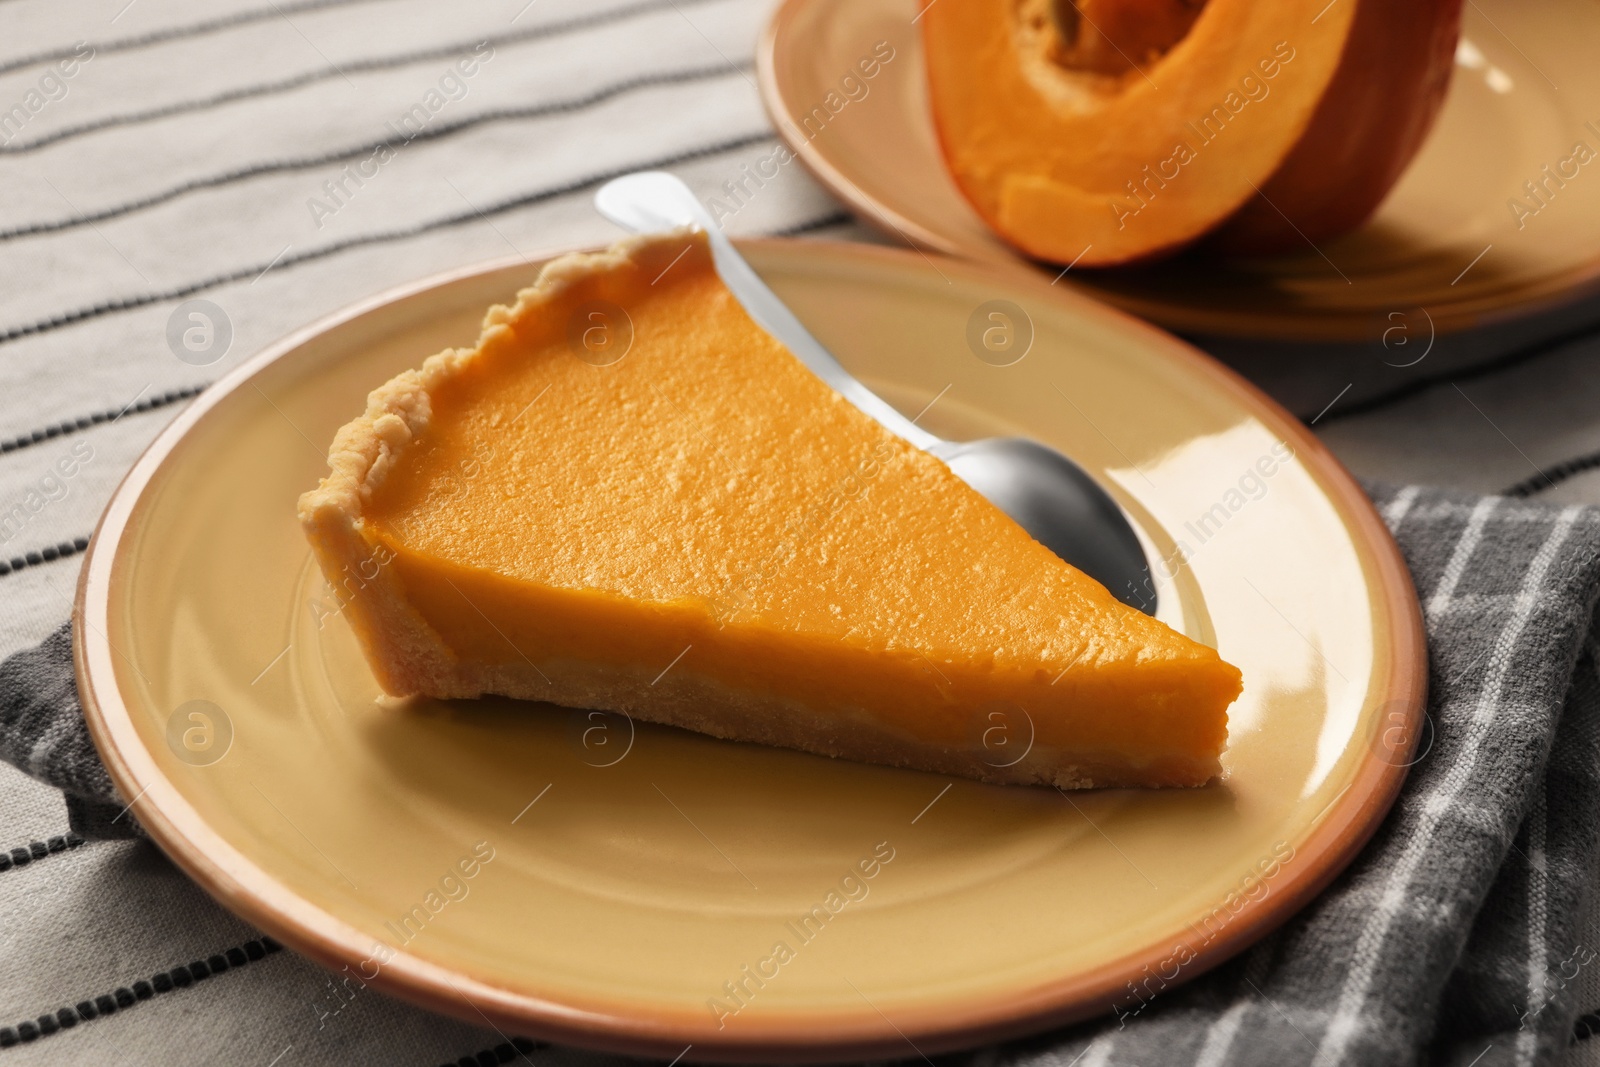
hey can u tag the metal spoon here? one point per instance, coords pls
(1043, 491)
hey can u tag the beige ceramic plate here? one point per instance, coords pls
(634, 873)
(1446, 242)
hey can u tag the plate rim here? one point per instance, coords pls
(1288, 324)
(253, 893)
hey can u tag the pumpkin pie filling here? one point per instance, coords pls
(674, 518)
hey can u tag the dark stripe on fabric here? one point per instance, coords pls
(357, 66)
(284, 262)
(1525, 354)
(180, 977)
(572, 105)
(833, 218)
(83, 422)
(47, 554)
(23, 855)
(175, 33)
(1554, 475)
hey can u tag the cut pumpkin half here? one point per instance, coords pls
(1106, 132)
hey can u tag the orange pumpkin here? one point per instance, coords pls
(1113, 131)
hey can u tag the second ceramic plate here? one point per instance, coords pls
(1446, 251)
(630, 888)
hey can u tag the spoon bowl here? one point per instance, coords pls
(1057, 502)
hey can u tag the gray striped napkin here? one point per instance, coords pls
(1454, 937)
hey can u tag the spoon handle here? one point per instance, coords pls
(652, 201)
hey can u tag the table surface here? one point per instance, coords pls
(170, 149)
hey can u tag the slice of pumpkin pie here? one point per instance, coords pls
(629, 496)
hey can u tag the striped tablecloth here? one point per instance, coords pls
(281, 160)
